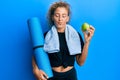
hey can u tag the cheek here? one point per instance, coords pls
(65, 20)
(55, 19)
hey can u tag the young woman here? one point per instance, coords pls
(63, 44)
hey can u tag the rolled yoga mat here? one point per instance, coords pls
(41, 57)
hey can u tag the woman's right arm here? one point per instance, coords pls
(39, 74)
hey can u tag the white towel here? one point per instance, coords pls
(52, 45)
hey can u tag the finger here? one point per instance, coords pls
(91, 27)
(91, 31)
(42, 77)
(90, 34)
(42, 74)
(45, 75)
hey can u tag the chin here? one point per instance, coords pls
(60, 26)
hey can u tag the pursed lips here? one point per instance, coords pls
(59, 23)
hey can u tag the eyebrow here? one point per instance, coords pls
(58, 13)
(64, 14)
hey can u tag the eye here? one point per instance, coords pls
(64, 16)
(56, 15)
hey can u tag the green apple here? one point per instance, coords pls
(85, 26)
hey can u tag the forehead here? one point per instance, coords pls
(61, 10)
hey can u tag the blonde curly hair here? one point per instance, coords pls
(53, 7)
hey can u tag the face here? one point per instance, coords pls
(60, 17)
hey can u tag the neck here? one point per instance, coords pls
(61, 29)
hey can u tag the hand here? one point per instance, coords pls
(90, 33)
(40, 75)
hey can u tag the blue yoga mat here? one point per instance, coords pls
(41, 57)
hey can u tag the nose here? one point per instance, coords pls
(60, 18)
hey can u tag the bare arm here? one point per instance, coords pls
(34, 63)
(82, 57)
